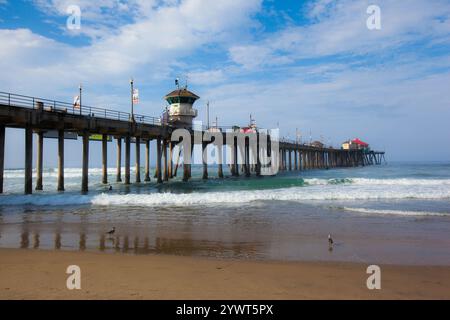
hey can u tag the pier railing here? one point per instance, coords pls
(16, 100)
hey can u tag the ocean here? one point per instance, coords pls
(396, 213)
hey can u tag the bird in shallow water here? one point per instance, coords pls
(330, 242)
(112, 231)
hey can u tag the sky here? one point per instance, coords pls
(311, 65)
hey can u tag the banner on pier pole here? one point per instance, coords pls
(76, 102)
(135, 96)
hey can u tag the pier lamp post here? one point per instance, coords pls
(132, 102)
(207, 114)
(81, 90)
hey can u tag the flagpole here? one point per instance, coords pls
(132, 103)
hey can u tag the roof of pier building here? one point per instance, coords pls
(181, 95)
(359, 142)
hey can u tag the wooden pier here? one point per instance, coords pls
(38, 116)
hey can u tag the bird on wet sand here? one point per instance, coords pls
(330, 242)
(111, 232)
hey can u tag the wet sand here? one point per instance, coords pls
(38, 274)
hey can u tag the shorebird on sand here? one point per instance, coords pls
(111, 232)
(330, 241)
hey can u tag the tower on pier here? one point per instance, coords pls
(180, 111)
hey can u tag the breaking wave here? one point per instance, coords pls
(396, 212)
(352, 191)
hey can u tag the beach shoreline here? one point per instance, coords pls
(41, 274)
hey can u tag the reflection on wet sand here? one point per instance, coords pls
(25, 241)
(36, 241)
(82, 242)
(57, 241)
(141, 245)
(102, 243)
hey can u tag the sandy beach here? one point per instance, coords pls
(39, 274)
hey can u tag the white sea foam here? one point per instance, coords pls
(396, 212)
(315, 189)
(384, 182)
(230, 197)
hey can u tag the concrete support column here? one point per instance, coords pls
(40, 161)
(220, 165)
(127, 160)
(186, 173)
(234, 164)
(104, 159)
(280, 160)
(138, 160)
(258, 155)
(310, 159)
(158, 160)
(247, 159)
(313, 159)
(147, 161)
(290, 159)
(285, 159)
(119, 160)
(61, 160)
(28, 161)
(2, 156)
(186, 167)
(295, 160)
(299, 159)
(171, 146)
(166, 169)
(204, 161)
(85, 168)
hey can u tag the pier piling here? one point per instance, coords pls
(158, 160)
(290, 159)
(85, 170)
(171, 146)
(61, 160)
(40, 158)
(104, 159)
(247, 159)
(166, 169)
(205, 161)
(220, 158)
(28, 160)
(119, 160)
(2, 156)
(127, 160)
(147, 160)
(138, 160)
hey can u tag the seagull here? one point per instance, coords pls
(111, 232)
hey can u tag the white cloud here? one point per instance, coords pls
(339, 27)
(147, 47)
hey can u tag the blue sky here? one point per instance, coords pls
(312, 65)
